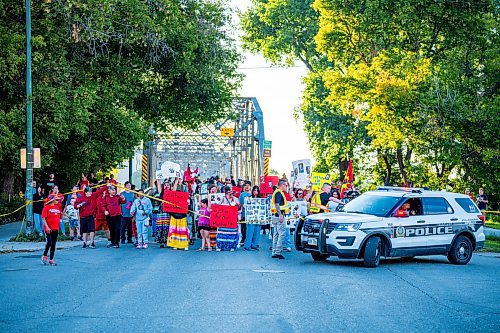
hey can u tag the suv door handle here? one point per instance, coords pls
(421, 221)
(454, 219)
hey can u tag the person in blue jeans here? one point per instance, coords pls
(126, 220)
(253, 230)
(38, 204)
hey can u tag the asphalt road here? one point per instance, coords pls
(162, 290)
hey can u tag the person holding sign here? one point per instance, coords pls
(279, 209)
(213, 189)
(178, 232)
(204, 224)
(253, 230)
(227, 238)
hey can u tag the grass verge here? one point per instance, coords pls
(492, 244)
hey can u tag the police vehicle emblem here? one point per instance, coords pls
(400, 231)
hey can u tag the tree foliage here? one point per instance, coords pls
(414, 82)
(104, 72)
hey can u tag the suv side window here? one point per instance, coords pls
(467, 205)
(434, 206)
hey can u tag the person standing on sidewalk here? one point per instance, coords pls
(38, 199)
(279, 209)
(126, 222)
(51, 216)
(113, 214)
(482, 200)
(142, 209)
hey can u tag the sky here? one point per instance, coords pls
(278, 91)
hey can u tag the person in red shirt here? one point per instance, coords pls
(113, 212)
(99, 216)
(87, 206)
(112, 180)
(51, 217)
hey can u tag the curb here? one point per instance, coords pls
(11, 247)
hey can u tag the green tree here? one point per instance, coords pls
(104, 72)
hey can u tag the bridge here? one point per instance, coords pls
(231, 146)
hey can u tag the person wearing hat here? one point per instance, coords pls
(51, 217)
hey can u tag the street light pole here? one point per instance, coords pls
(29, 139)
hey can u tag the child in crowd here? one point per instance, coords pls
(51, 217)
(74, 219)
(204, 225)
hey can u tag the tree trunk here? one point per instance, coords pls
(401, 164)
(8, 182)
(388, 170)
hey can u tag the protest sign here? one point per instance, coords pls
(302, 173)
(204, 189)
(297, 209)
(169, 170)
(215, 198)
(177, 202)
(318, 179)
(256, 211)
(267, 183)
(222, 216)
(236, 191)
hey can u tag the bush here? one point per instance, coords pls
(8, 206)
(35, 237)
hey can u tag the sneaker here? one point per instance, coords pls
(44, 260)
(80, 238)
(52, 263)
(84, 246)
(186, 249)
(91, 246)
(287, 249)
(232, 250)
(274, 256)
(138, 246)
(116, 246)
(218, 250)
(72, 238)
(280, 256)
(162, 246)
(255, 248)
(109, 245)
(145, 245)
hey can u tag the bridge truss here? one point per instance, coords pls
(239, 155)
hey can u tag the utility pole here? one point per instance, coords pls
(29, 139)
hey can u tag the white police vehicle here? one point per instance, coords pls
(374, 225)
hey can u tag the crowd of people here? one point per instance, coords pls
(126, 214)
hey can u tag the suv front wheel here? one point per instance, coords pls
(461, 251)
(372, 252)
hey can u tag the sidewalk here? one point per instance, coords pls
(491, 232)
(7, 231)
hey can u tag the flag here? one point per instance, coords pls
(349, 175)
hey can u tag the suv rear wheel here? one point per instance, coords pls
(319, 257)
(372, 252)
(461, 251)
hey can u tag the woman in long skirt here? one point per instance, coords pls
(227, 238)
(178, 231)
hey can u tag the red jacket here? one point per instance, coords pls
(100, 208)
(112, 204)
(88, 204)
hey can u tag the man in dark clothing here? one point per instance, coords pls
(482, 200)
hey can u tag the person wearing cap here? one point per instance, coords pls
(227, 238)
(51, 217)
(113, 212)
(244, 194)
(87, 207)
(126, 221)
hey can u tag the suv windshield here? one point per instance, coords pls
(371, 204)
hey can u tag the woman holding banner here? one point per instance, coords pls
(227, 238)
(162, 219)
(212, 189)
(178, 232)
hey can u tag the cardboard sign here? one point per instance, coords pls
(178, 202)
(267, 183)
(257, 211)
(222, 216)
(318, 179)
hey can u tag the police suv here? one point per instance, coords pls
(395, 222)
